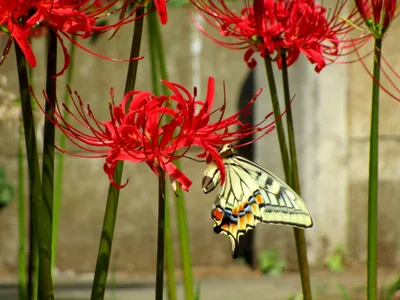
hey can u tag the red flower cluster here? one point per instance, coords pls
(157, 130)
(272, 26)
(20, 19)
(377, 14)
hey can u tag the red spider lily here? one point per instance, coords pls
(198, 130)
(377, 14)
(272, 26)
(19, 19)
(155, 130)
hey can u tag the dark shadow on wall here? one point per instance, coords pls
(247, 91)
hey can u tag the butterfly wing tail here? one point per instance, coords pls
(235, 244)
(235, 223)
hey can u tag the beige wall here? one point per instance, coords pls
(389, 165)
(332, 118)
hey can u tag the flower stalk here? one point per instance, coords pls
(289, 163)
(169, 252)
(155, 45)
(40, 211)
(181, 214)
(110, 214)
(33, 263)
(373, 176)
(22, 265)
(277, 114)
(60, 166)
(160, 236)
(48, 143)
(299, 234)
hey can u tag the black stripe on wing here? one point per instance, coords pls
(274, 202)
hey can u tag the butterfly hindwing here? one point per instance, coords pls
(281, 204)
(235, 211)
(251, 195)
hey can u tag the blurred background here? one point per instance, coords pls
(331, 111)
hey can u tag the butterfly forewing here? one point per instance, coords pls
(251, 195)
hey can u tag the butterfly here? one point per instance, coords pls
(251, 195)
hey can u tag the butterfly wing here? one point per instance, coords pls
(281, 204)
(251, 195)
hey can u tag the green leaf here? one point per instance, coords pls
(343, 291)
(6, 194)
(197, 293)
(6, 189)
(392, 288)
(271, 263)
(335, 262)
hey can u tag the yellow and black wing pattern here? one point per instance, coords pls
(251, 195)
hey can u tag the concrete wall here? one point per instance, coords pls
(331, 113)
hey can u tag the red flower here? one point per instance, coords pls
(377, 14)
(155, 130)
(198, 130)
(272, 26)
(19, 19)
(15, 21)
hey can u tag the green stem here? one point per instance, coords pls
(21, 218)
(33, 264)
(40, 210)
(277, 114)
(169, 252)
(290, 126)
(110, 214)
(33, 256)
(48, 150)
(181, 215)
(161, 54)
(290, 173)
(60, 166)
(160, 236)
(184, 242)
(135, 51)
(373, 176)
(299, 235)
(154, 46)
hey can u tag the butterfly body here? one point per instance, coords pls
(251, 195)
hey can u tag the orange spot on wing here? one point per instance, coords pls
(242, 219)
(242, 222)
(235, 211)
(233, 229)
(217, 214)
(225, 227)
(259, 199)
(255, 209)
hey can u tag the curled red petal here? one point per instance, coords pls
(176, 174)
(22, 39)
(250, 61)
(161, 7)
(110, 172)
